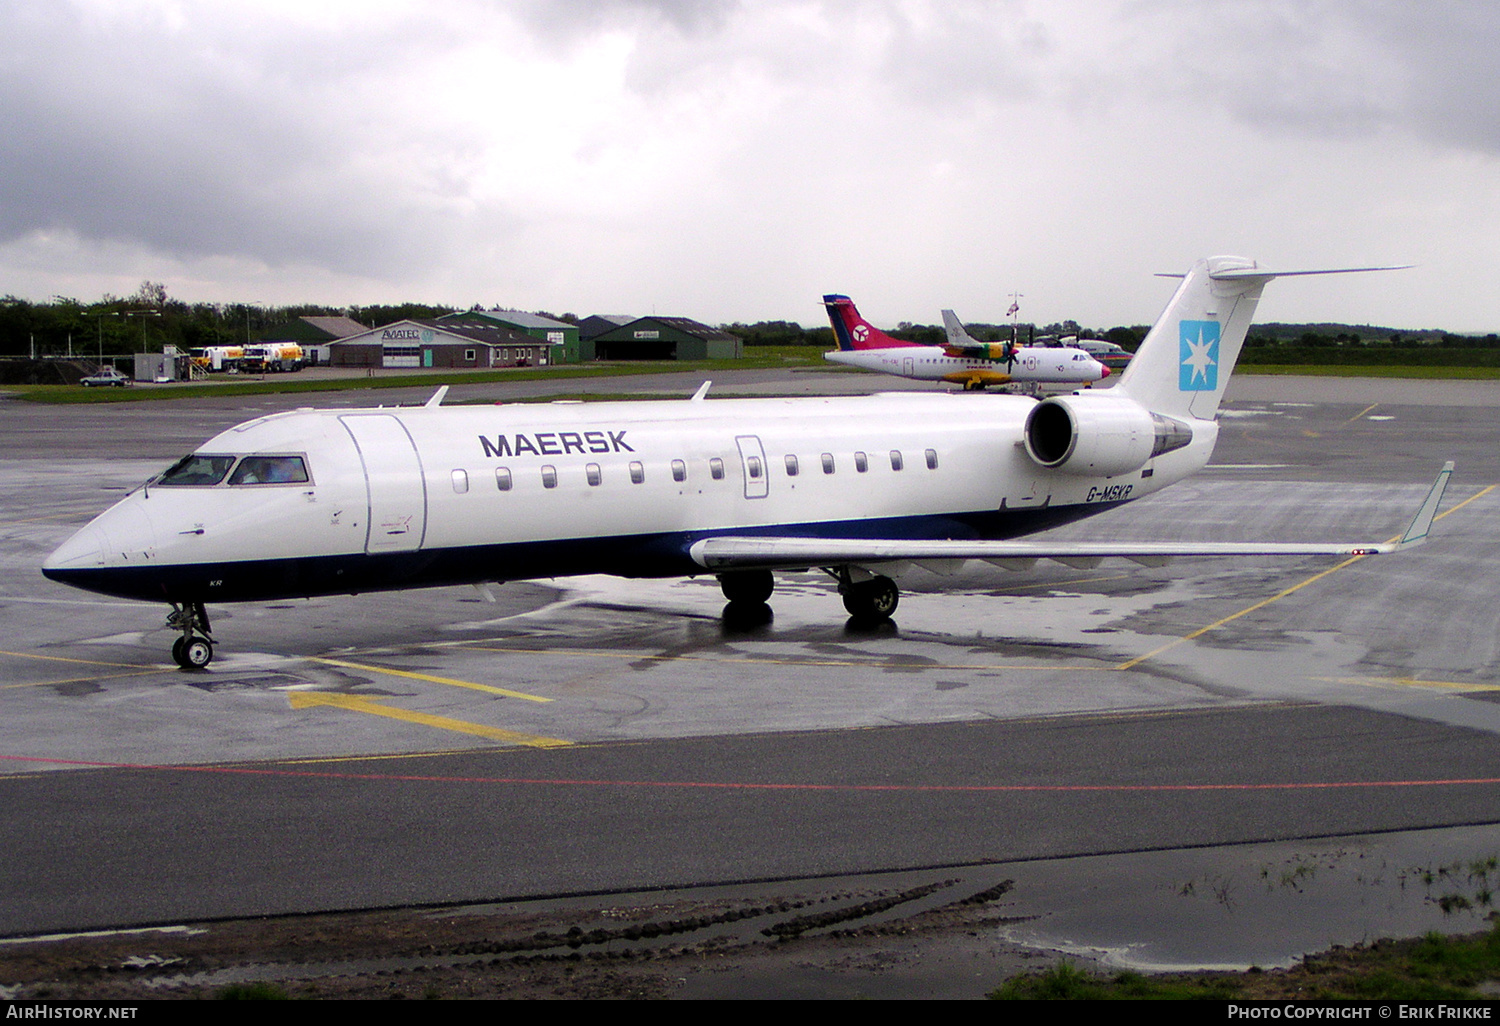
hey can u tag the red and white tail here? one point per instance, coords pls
(854, 332)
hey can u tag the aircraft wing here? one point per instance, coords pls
(978, 351)
(745, 552)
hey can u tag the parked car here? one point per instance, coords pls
(108, 376)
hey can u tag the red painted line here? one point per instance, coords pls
(748, 786)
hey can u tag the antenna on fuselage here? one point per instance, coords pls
(699, 395)
(437, 399)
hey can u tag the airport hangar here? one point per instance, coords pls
(560, 334)
(443, 343)
(662, 338)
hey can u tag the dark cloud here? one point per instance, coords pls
(198, 142)
(483, 148)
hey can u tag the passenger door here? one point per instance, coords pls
(394, 483)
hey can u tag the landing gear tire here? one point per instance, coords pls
(871, 601)
(195, 648)
(749, 587)
(193, 653)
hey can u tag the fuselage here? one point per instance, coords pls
(403, 497)
(1032, 364)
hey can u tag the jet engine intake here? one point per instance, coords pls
(1098, 434)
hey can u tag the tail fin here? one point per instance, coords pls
(1183, 366)
(957, 335)
(854, 332)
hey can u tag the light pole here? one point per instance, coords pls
(102, 315)
(248, 304)
(143, 314)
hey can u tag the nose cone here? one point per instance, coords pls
(83, 551)
(119, 540)
(1103, 372)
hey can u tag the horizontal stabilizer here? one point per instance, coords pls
(1232, 274)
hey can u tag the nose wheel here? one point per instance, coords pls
(195, 649)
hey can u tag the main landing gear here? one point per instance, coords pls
(869, 598)
(872, 600)
(747, 587)
(195, 649)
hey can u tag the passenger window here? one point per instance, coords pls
(931, 459)
(460, 481)
(753, 464)
(197, 470)
(594, 474)
(637, 472)
(828, 463)
(791, 466)
(716, 469)
(679, 470)
(896, 462)
(861, 462)
(502, 478)
(549, 476)
(269, 470)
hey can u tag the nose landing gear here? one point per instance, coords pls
(195, 649)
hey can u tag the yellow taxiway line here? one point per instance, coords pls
(372, 706)
(89, 679)
(1132, 663)
(429, 678)
(1410, 682)
(65, 659)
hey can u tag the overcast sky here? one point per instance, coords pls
(734, 161)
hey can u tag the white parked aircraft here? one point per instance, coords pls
(380, 499)
(964, 360)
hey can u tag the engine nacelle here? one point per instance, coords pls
(1099, 434)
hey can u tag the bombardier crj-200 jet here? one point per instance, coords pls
(378, 499)
(963, 360)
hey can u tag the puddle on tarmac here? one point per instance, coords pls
(1258, 905)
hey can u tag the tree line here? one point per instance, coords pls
(149, 319)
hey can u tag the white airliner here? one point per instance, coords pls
(397, 498)
(963, 360)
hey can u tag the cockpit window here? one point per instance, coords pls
(197, 470)
(269, 470)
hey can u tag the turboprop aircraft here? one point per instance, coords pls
(381, 499)
(963, 360)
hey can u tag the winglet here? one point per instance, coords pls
(437, 398)
(1416, 534)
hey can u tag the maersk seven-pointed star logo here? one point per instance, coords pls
(1198, 356)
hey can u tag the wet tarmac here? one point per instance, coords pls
(1219, 738)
